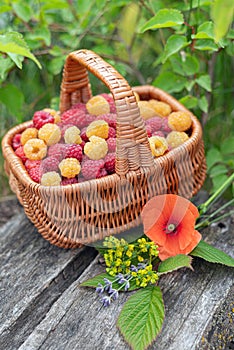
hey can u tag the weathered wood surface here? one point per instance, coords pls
(43, 307)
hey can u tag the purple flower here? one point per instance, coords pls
(133, 268)
(108, 284)
(100, 288)
(114, 295)
(106, 301)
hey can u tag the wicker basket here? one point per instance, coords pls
(73, 215)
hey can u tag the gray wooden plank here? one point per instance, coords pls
(192, 302)
(33, 275)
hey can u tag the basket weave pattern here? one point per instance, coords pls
(73, 215)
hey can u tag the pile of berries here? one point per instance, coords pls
(80, 144)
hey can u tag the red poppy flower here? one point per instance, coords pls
(169, 221)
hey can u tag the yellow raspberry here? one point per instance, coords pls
(69, 167)
(51, 178)
(96, 149)
(27, 134)
(35, 149)
(54, 113)
(72, 135)
(158, 145)
(146, 111)
(98, 105)
(50, 133)
(180, 121)
(162, 109)
(98, 128)
(176, 138)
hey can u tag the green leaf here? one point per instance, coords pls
(222, 14)
(218, 181)
(175, 263)
(205, 82)
(56, 64)
(189, 101)
(218, 170)
(203, 104)
(163, 19)
(17, 59)
(206, 45)
(205, 31)
(170, 82)
(13, 42)
(93, 282)
(213, 156)
(185, 64)
(5, 66)
(174, 44)
(209, 253)
(22, 10)
(227, 146)
(141, 317)
(41, 33)
(13, 99)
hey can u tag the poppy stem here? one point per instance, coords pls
(207, 222)
(204, 207)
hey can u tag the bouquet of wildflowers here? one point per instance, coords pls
(169, 240)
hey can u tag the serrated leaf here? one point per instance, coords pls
(22, 10)
(205, 31)
(163, 19)
(209, 253)
(227, 146)
(174, 263)
(13, 42)
(174, 44)
(213, 156)
(170, 82)
(189, 101)
(206, 45)
(205, 82)
(203, 104)
(93, 282)
(17, 59)
(141, 317)
(222, 12)
(13, 99)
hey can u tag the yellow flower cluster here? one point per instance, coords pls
(133, 259)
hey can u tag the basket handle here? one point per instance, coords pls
(132, 145)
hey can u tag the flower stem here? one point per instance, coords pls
(207, 222)
(204, 207)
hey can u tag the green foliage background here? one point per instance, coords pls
(184, 47)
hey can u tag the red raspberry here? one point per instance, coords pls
(83, 135)
(165, 127)
(49, 164)
(20, 153)
(111, 132)
(148, 130)
(158, 133)
(64, 127)
(58, 150)
(81, 106)
(90, 118)
(102, 173)
(111, 142)
(41, 118)
(30, 164)
(74, 151)
(155, 123)
(65, 181)
(110, 118)
(75, 117)
(111, 102)
(35, 174)
(110, 163)
(16, 141)
(92, 169)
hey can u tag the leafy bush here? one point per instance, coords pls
(183, 47)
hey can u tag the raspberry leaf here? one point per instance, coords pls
(174, 263)
(142, 317)
(209, 253)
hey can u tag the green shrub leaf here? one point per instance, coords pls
(175, 263)
(170, 82)
(141, 317)
(209, 253)
(206, 45)
(189, 101)
(174, 44)
(205, 31)
(13, 42)
(227, 146)
(22, 10)
(203, 104)
(218, 170)
(222, 13)
(163, 19)
(205, 82)
(13, 99)
(213, 156)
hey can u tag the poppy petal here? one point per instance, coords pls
(156, 232)
(196, 239)
(186, 229)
